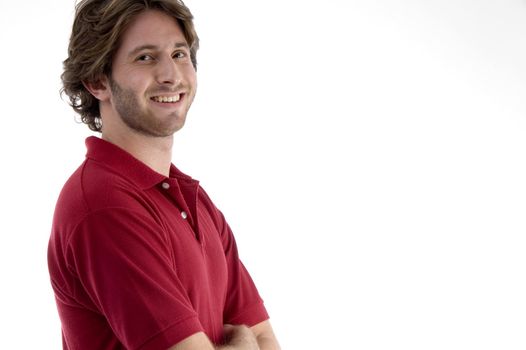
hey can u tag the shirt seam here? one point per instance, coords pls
(75, 231)
(84, 199)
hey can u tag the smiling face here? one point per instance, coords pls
(153, 81)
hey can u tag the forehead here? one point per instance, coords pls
(151, 27)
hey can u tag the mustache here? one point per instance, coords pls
(179, 88)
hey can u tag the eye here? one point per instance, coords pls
(145, 58)
(179, 54)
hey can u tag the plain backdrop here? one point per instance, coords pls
(369, 156)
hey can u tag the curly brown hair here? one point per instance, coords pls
(97, 28)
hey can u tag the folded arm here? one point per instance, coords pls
(258, 337)
(265, 336)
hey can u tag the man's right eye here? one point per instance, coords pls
(145, 58)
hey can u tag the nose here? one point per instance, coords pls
(168, 73)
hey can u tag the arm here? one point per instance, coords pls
(265, 336)
(258, 337)
(241, 289)
(238, 337)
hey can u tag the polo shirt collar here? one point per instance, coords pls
(124, 163)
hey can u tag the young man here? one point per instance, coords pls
(139, 256)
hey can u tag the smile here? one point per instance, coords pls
(167, 99)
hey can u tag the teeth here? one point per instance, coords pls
(166, 99)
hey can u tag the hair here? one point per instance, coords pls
(95, 36)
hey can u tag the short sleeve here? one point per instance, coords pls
(124, 264)
(243, 303)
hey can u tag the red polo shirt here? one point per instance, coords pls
(141, 261)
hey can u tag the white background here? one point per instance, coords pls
(369, 155)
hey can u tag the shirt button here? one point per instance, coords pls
(184, 215)
(166, 185)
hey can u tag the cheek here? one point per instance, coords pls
(137, 84)
(191, 76)
(134, 80)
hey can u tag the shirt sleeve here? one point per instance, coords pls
(122, 261)
(243, 303)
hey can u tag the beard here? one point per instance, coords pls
(141, 120)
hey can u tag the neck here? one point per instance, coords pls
(155, 152)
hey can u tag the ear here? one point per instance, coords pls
(100, 88)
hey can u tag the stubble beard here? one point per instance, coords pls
(139, 120)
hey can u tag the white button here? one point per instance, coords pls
(184, 215)
(166, 185)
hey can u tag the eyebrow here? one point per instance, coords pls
(155, 47)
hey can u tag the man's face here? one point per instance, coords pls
(153, 81)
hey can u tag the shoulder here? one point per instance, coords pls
(96, 188)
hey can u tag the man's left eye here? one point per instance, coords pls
(179, 54)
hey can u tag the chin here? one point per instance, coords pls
(169, 131)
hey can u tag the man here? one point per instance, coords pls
(139, 257)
